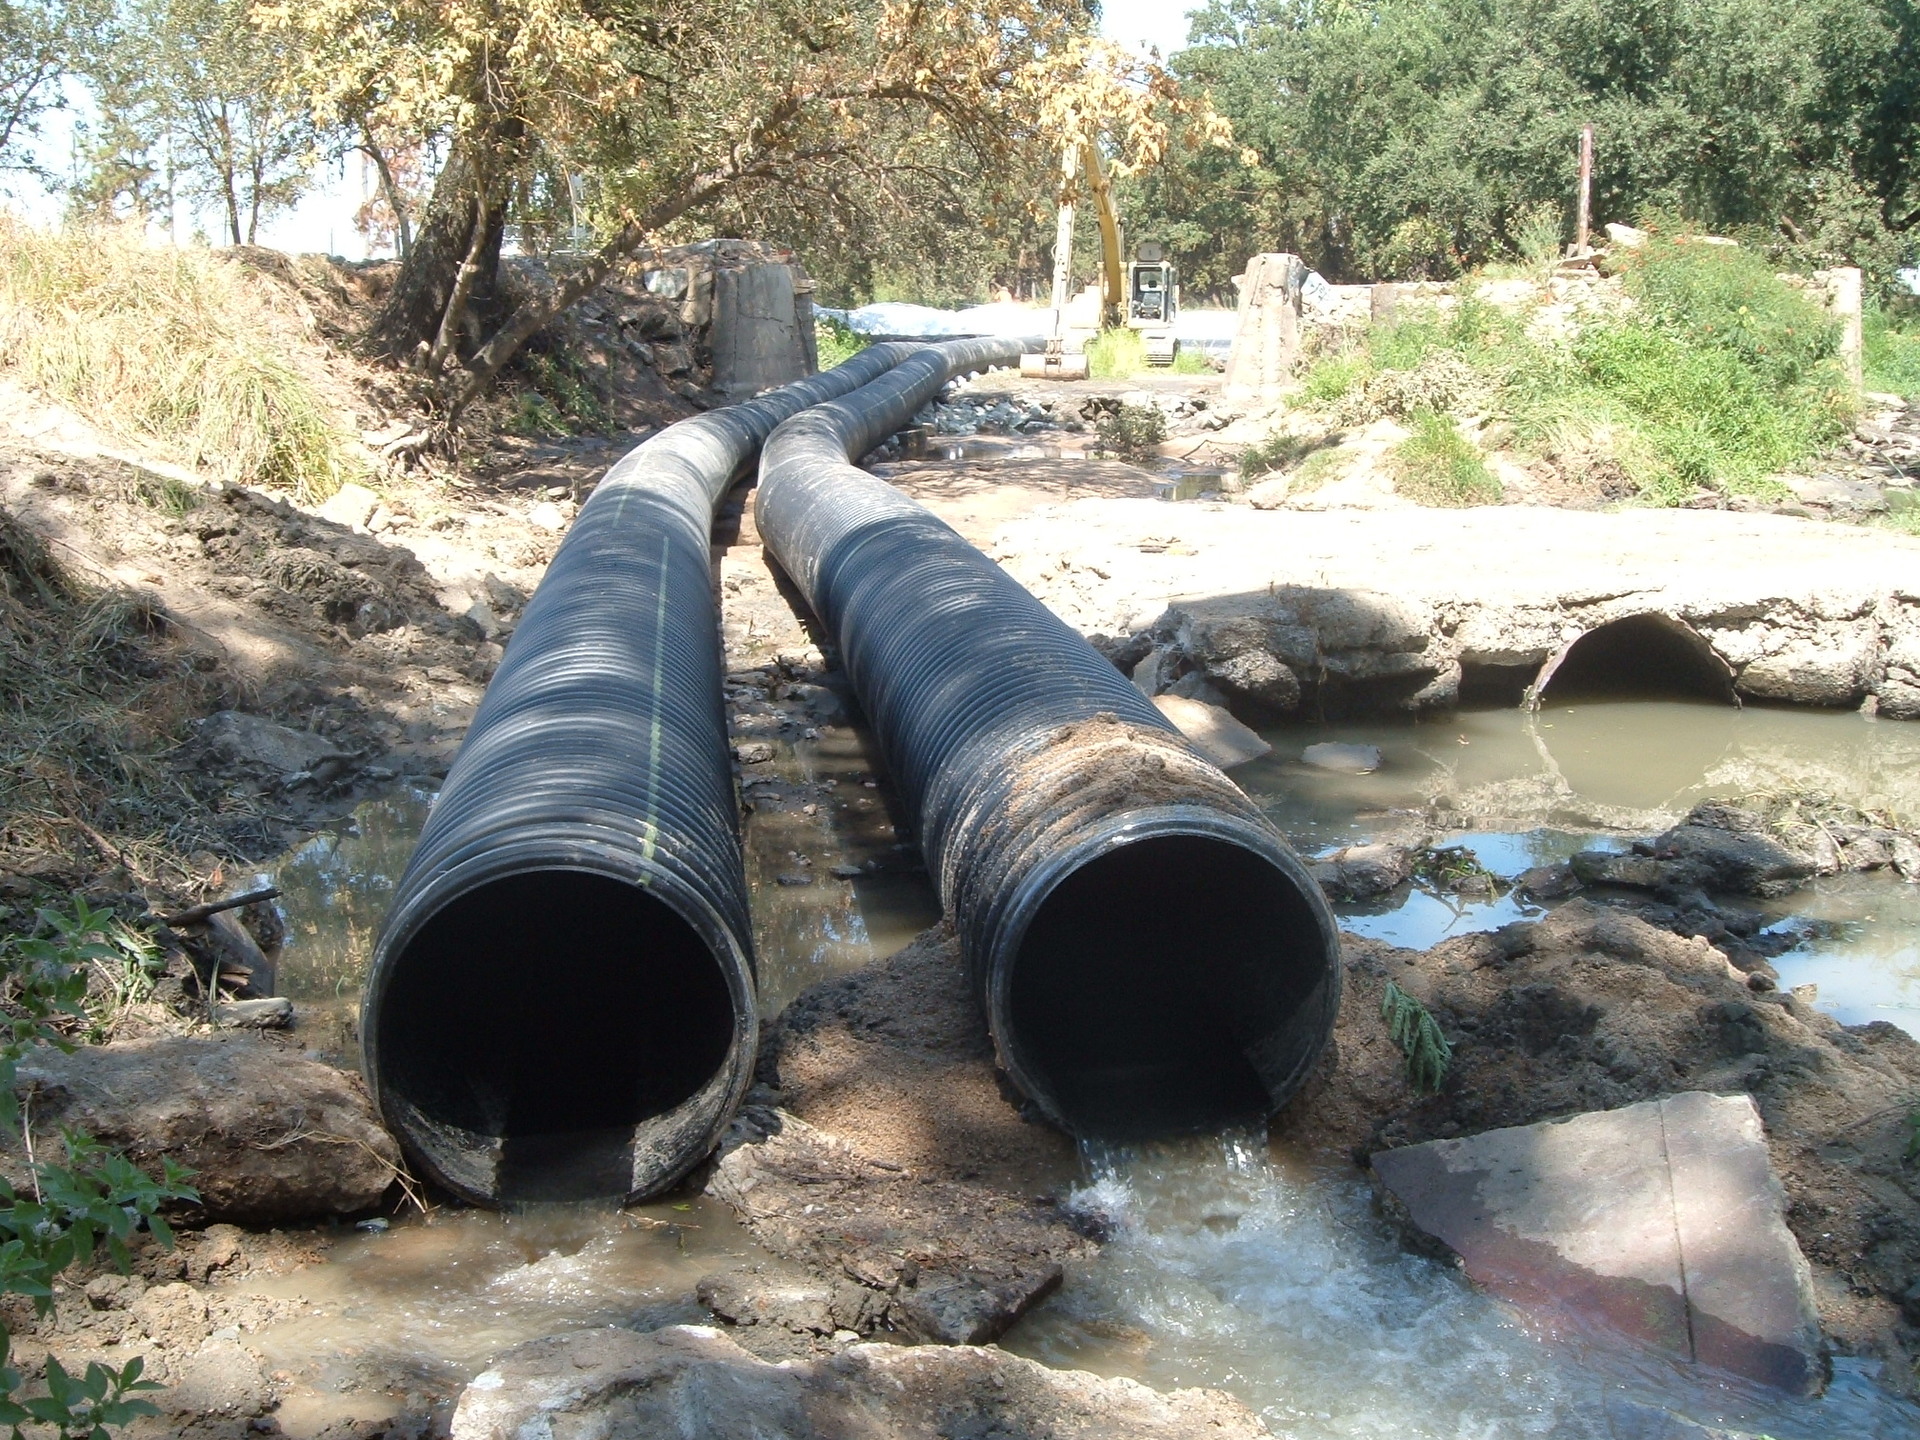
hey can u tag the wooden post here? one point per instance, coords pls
(1586, 190)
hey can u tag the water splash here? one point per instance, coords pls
(1241, 1268)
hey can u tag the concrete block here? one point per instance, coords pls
(1661, 1221)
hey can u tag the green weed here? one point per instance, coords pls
(1190, 361)
(1333, 377)
(574, 404)
(1891, 358)
(1279, 451)
(1117, 354)
(1437, 465)
(1132, 431)
(1417, 1034)
(835, 342)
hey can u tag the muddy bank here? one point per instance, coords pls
(1346, 612)
(882, 1155)
(1592, 1009)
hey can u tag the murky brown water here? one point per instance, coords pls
(1235, 1265)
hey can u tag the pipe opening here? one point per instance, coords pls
(1642, 657)
(556, 1013)
(1163, 988)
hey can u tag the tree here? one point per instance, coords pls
(41, 43)
(676, 106)
(1411, 137)
(197, 80)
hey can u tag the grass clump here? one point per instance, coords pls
(168, 345)
(1117, 354)
(1718, 376)
(835, 342)
(564, 399)
(1132, 430)
(1437, 465)
(1279, 451)
(1891, 358)
(1190, 360)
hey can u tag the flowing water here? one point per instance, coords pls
(1235, 1265)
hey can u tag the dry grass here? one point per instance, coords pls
(94, 693)
(170, 346)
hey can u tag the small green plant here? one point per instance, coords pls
(1536, 237)
(1279, 451)
(78, 1407)
(1453, 867)
(1117, 354)
(573, 400)
(1332, 378)
(1132, 430)
(1891, 358)
(1190, 360)
(98, 1199)
(1437, 465)
(835, 342)
(1417, 1034)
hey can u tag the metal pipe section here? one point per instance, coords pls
(562, 1001)
(1152, 957)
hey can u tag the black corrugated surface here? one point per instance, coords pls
(561, 1003)
(1151, 955)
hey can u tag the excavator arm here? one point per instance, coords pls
(1081, 157)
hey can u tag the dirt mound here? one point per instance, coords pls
(1592, 1009)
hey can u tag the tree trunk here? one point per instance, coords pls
(534, 314)
(448, 336)
(402, 227)
(409, 321)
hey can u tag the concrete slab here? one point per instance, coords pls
(1662, 1221)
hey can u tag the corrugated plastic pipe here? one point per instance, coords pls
(1151, 956)
(561, 1004)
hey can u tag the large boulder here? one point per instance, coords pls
(271, 1135)
(688, 1381)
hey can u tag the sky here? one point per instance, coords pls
(323, 220)
(1147, 23)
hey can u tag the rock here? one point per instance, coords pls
(1603, 867)
(1906, 858)
(1661, 1220)
(221, 1381)
(1214, 732)
(1345, 759)
(351, 505)
(753, 752)
(233, 737)
(547, 516)
(272, 1135)
(814, 1199)
(272, 1013)
(1364, 872)
(1154, 670)
(1828, 669)
(1725, 849)
(1270, 494)
(222, 945)
(1626, 236)
(1195, 686)
(687, 1380)
(747, 1295)
(1548, 882)
(1259, 678)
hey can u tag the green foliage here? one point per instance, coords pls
(97, 1199)
(565, 399)
(1190, 360)
(1725, 297)
(1427, 1051)
(1892, 354)
(1332, 377)
(1117, 354)
(78, 1407)
(1132, 430)
(1437, 465)
(835, 341)
(1416, 139)
(1279, 451)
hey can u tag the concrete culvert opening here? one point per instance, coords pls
(1159, 990)
(556, 1013)
(1643, 657)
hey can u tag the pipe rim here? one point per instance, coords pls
(1007, 929)
(611, 862)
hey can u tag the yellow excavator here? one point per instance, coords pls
(1143, 294)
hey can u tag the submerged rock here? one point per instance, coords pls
(1364, 872)
(688, 1379)
(1343, 759)
(271, 1135)
(1214, 732)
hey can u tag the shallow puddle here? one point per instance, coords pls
(1234, 1265)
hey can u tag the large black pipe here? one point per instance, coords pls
(1151, 955)
(561, 1004)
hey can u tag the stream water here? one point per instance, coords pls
(1235, 1265)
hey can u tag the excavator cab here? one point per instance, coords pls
(1153, 299)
